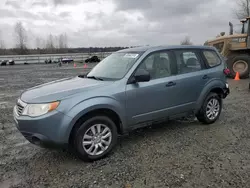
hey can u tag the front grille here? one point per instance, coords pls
(19, 107)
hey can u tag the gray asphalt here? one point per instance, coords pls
(175, 154)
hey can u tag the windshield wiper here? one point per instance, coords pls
(94, 77)
(82, 76)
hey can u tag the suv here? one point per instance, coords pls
(129, 89)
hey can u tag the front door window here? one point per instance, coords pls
(159, 65)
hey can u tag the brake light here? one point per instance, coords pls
(226, 71)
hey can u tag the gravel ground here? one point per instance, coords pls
(177, 154)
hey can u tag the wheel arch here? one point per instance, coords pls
(215, 86)
(101, 106)
(101, 111)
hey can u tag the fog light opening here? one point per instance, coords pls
(36, 140)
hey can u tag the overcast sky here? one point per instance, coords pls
(117, 22)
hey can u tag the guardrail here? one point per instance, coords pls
(40, 58)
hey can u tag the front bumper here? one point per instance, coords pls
(49, 130)
(42, 141)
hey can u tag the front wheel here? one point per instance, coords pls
(211, 109)
(95, 138)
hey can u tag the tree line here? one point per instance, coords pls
(51, 45)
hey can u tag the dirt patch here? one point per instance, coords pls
(176, 154)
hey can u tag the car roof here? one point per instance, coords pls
(165, 47)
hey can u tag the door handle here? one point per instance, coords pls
(169, 84)
(205, 77)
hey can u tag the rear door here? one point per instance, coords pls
(190, 79)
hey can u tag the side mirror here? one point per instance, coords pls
(142, 75)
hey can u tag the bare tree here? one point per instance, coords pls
(61, 41)
(38, 42)
(42, 43)
(50, 43)
(2, 45)
(186, 41)
(21, 37)
(65, 38)
(56, 41)
(243, 9)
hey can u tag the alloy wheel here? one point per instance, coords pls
(97, 139)
(212, 109)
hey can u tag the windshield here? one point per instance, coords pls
(115, 66)
(219, 46)
(245, 25)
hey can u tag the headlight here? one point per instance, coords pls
(35, 110)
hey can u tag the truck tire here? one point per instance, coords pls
(239, 63)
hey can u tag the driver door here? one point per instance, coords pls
(152, 100)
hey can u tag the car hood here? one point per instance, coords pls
(59, 89)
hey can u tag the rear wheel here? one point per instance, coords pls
(239, 64)
(211, 109)
(95, 138)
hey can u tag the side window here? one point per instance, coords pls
(149, 62)
(219, 46)
(212, 58)
(158, 64)
(187, 62)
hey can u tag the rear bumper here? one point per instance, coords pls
(226, 91)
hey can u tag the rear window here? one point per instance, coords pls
(212, 58)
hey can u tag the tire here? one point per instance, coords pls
(202, 115)
(81, 150)
(239, 59)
